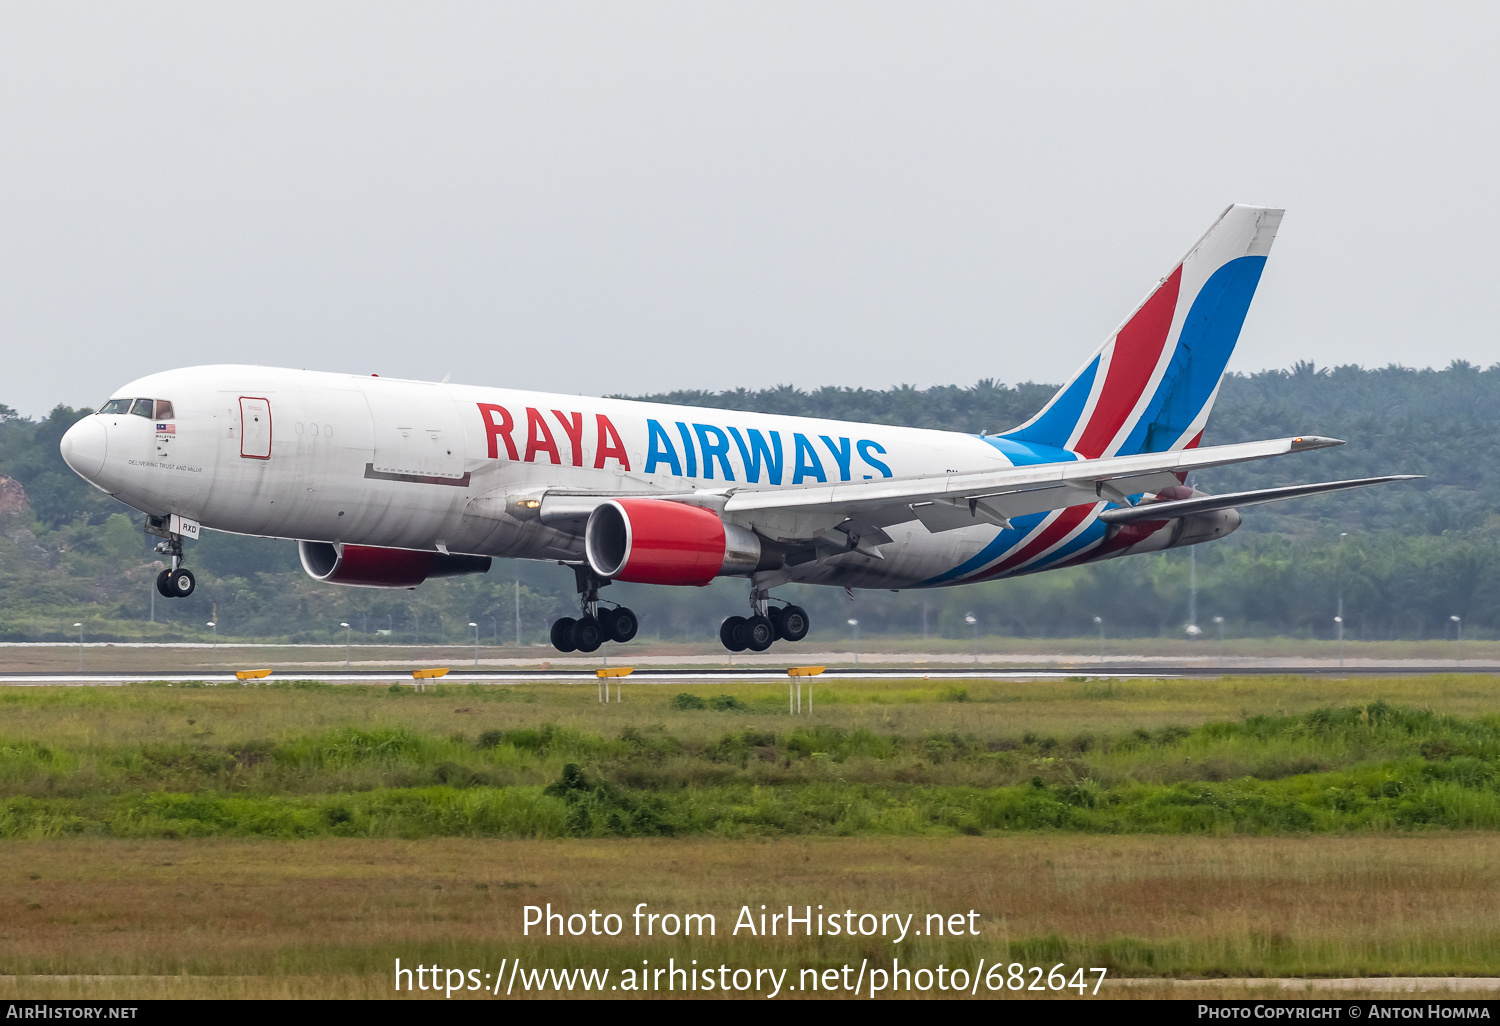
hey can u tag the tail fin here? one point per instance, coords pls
(1151, 385)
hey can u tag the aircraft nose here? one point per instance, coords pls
(84, 447)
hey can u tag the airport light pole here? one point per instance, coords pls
(1458, 637)
(214, 624)
(80, 646)
(1339, 617)
(855, 624)
(346, 644)
(1193, 631)
(973, 623)
(1099, 622)
(476, 641)
(1219, 622)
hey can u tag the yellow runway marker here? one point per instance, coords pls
(251, 674)
(804, 671)
(436, 671)
(615, 671)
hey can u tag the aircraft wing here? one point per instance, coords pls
(1232, 500)
(993, 496)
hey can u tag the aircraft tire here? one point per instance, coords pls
(793, 623)
(562, 634)
(732, 633)
(621, 625)
(587, 634)
(181, 583)
(759, 633)
(161, 584)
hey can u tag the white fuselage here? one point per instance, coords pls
(406, 464)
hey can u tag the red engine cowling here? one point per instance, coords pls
(654, 541)
(369, 566)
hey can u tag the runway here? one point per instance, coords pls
(671, 675)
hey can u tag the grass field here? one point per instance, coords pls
(330, 917)
(293, 840)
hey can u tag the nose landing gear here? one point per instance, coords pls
(176, 582)
(765, 625)
(597, 625)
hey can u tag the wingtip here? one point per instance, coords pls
(1302, 443)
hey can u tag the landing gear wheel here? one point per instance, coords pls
(180, 583)
(759, 633)
(587, 635)
(562, 634)
(161, 584)
(792, 624)
(621, 625)
(732, 633)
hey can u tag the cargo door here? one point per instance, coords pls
(418, 433)
(255, 428)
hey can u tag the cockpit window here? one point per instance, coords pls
(164, 409)
(116, 406)
(143, 408)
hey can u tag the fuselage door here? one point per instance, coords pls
(255, 428)
(417, 430)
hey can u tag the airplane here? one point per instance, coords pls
(386, 483)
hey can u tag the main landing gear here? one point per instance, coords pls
(764, 625)
(177, 582)
(597, 625)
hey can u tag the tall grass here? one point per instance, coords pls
(1371, 767)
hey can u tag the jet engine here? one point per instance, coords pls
(1146, 535)
(369, 566)
(654, 541)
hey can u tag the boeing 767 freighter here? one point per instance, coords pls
(385, 483)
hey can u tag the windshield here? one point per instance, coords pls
(116, 406)
(164, 409)
(143, 408)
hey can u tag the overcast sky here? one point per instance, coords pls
(630, 197)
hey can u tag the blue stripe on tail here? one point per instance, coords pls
(1203, 349)
(1055, 424)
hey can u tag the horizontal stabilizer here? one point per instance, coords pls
(1208, 503)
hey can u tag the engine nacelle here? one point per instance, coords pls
(1155, 535)
(655, 541)
(369, 566)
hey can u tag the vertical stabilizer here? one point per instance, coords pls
(1151, 385)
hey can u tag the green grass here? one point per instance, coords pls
(153, 761)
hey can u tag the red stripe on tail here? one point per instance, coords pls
(1137, 350)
